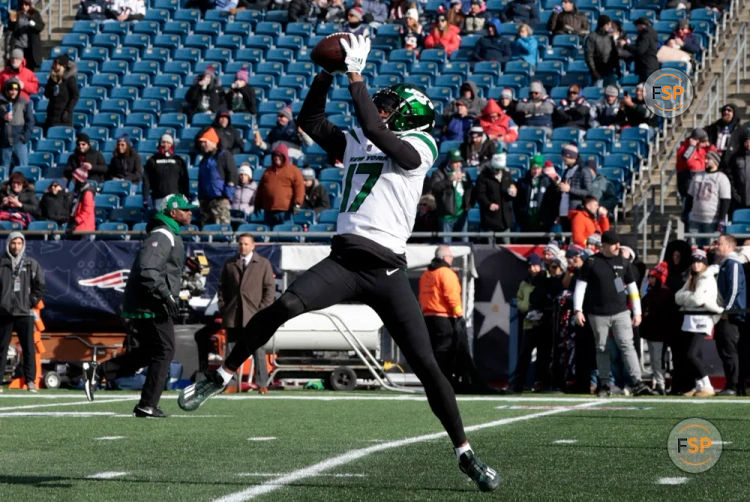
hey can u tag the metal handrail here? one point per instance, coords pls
(733, 67)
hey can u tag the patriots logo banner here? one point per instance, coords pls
(86, 279)
(500, 271)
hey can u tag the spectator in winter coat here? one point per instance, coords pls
(469, 92)
(476, 19)
(443, 35)
(602, 188)
(17, 196)
(607, 112)
(17, 120)
(297, 10)
(217, 179)
(532, 214)
(15, 67)
(230, 136)
(285, 132)
(455, 14)
(493, 46)
(566, 19)
(165, 173)
(244, 194)
(426, 219)
(589, 218)
(656, 325)
(691, 158)
(530, 307)
(125, 163)
(685, 39)
(635, 109)
(316, 195)
(205, 95)
(601, 54)
(375, 11)
(521, 11)
(708, 198)
(477, 149)
(128, 10)
(576, 182)
(354, 23)
(83, 214)
(240, 98)
(281, 190)
(62, 92)
(94, 10)
(451, 187)
(510, 105)
(537, 109)
(88, 158)
(526, 46)
(572, 111)
(329, 11)
(497, 125)
(56, 203)
(460, 122)
(412, 28)
(740, 173)
(495, 194)
(726, 134)
(24, 28)
(645, 48)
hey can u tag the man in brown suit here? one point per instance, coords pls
(246, 285)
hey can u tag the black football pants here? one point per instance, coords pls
(388, 293)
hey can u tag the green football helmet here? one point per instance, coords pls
(408, 108)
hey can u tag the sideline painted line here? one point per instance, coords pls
(107, 475)
(109, 438)
(351, 456)
(262, 438)
(56, 414)
(275, 474)
(671, 481)
(565, 441)
(53, 405)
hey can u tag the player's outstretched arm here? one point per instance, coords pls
(312, 117)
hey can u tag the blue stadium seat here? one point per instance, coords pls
(223, 232)
(328, 216)
(249, 16)
(129, 215)
(288, 227)
(121, 188)
(43, 226)
(61, 132)
(31, 173)
(741, 216)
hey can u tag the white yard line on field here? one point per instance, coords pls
(262, 438)
(109, 438)
(351, 456)
(276, 474)
(107, 475)
(54, 405)
(671, 481)
(565, 441)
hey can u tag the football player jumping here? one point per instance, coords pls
(386, 161)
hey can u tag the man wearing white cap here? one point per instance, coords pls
(316, 195)
(537, 109)
(165, 173)
(607, 111)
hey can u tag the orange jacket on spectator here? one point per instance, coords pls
(440, 291)
(30, 84)
(583, 224)
(449, 39)
(280, 189)
(498, 128)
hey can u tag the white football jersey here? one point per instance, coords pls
(379, 198)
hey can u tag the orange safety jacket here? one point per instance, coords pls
(440, 291)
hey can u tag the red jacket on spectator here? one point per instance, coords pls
(449, 39)
(583, 224)
(30, 84)
(498, 128)
(84, 217)
(696, 162)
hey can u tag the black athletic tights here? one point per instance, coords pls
(390, 296)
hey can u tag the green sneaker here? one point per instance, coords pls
(192, 396)
(486, 478)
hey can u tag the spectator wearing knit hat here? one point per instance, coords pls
(601, 53)
(88, 158)
(412, 28)
(56, 203)
(533, 210)
(572, 110)
(17, 120)
(495, 193)
(17, 196)
(281, 190)
(316, 195)
(83, 214)
(126, 163)
(355, 24)
(61, 90)
(708, 197)
(727, 134)
(607, 111)
(240, 98)
(477, 149)
(576, 182)
(244, 193)
(217, 179)
(510, 105)
(165, 173)
(15, 67)
(285, 132)
(205, 95)
(452, 189)
(530, 307)
(230, 136)
(644, 49)
(537, 109)
(691, 158)
(656, 324)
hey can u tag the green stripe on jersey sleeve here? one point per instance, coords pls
(427, 139)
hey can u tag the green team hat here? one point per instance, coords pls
(176, 201)
(455, 155)
(537, 160)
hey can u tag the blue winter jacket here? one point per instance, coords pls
(217, 176)
(732, 286)
(526, 48)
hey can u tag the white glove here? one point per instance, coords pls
(32, 23)
(356, 53)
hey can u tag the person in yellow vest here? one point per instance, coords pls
(440, 299)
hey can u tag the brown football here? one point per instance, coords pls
(329, 54)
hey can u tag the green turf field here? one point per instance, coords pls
(308, 445)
